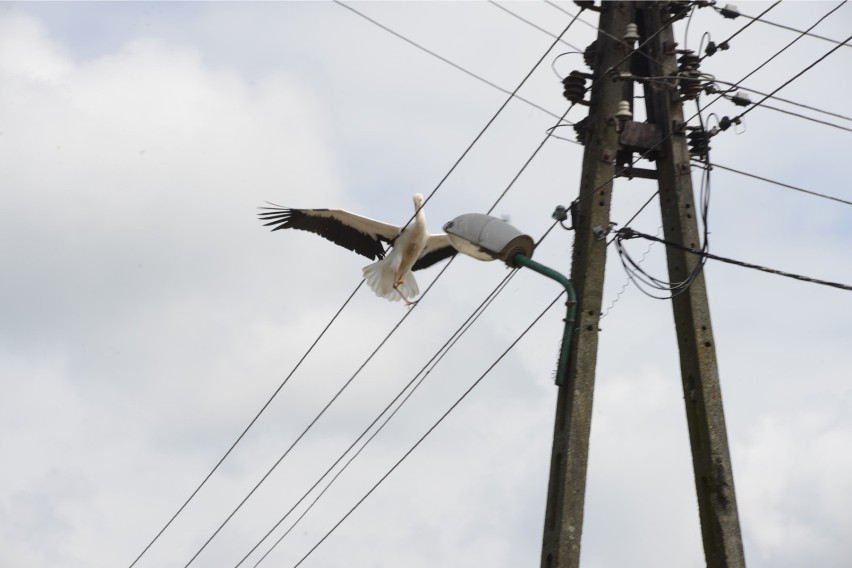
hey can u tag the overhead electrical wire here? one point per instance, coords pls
(705, 183)
(250, 424)
(701, 109)
(782, 26)
(444, 59)
(352, 377)
(275, 465)
(745, 27)
(430, 430)
(515, 96)
(788, 101)
(773, 56)
(628, 233)
(639, 276)
(309, 426)
(707, 255)
(757, 18)
(802, 116)
(357, 504)
(634, 271)
(404, 394)
(791, 79)
(604, 32)
(697, 252)
(734, 85)
(423, 373)
(780, 184)
(675, 288)
(642, 278)
(500, 197)
(531, 24)
(627, 281)
(357, 372)
(512, 95)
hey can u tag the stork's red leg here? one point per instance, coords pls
(408, 302)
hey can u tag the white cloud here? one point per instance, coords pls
(146, 315)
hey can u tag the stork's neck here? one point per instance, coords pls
(419, 215)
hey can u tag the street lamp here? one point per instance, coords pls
(488, 238)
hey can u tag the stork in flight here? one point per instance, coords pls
(390, 277)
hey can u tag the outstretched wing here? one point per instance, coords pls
(358, 234)
(437, 248)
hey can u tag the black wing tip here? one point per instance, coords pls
(276, 216)
(327, 226)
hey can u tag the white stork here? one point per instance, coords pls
(390, 277)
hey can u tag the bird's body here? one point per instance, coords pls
(390, 277)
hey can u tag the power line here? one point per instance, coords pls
(793, 78)
(754, 71)
(734, 85)
(636, 273)
(447, 61)
(698, 114)
(701, 109)
(742, 29)
(429, 431)
(606, 33)
(513, 94)
(422, 374)
(798, 115)
(627, 281)
(774, 55)
(763, 21)
(781, 184)
(532, 24)
(381, 344)
(628, 233)
(309, 426)
(500, 197)
(247, 428)
(387, 337)
(527, 163)
(497, 201)
(788, 101)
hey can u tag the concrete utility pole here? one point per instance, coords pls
(711, 460)
(610, 140)
(563, 525)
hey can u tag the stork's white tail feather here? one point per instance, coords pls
(380, 276)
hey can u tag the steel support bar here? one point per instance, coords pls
(570, 316)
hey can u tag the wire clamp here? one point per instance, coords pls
(601, 233)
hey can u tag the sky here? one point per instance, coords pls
(147, 316)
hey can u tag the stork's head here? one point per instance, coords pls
(418, 201)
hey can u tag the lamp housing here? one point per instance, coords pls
(488, 238)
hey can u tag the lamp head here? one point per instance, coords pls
(488, 238)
